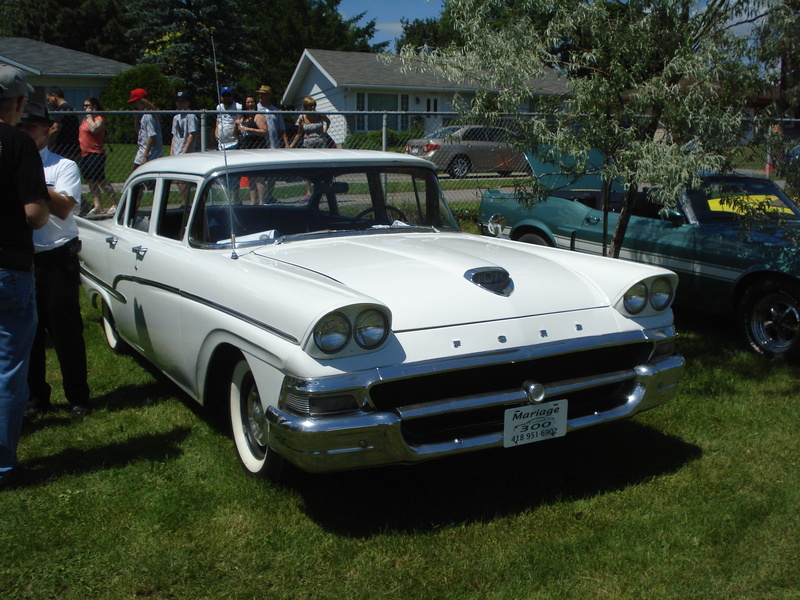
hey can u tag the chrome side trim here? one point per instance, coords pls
(191, 297)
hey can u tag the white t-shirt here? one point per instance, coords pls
(226, 131)
(63, 177)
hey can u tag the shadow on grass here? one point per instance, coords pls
(485, 485)
(710, 342)
(161, 447)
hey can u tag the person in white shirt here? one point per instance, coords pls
(227, 130)
(56, 247)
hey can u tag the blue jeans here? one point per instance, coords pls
(17, 330)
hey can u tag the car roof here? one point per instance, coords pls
(206, 163)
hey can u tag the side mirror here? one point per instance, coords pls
(495, 226)
(673, 216)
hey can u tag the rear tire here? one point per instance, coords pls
(769, 318)
(534, 238)
(459, 167)
(250, 427)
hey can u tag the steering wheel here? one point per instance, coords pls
(393, 210)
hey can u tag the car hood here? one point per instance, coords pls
(424, 278)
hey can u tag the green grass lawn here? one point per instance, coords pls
(696, 499)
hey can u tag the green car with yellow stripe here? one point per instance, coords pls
(733, 243)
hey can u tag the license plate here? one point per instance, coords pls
(414, 150)
(534, 423)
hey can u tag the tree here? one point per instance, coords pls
(94, 26)
(778, 49)
(656, 85)
(283, 29)
(183, 37)
(433, 33)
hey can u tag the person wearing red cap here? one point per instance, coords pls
(148, 129)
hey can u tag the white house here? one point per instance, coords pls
(361, 81)
(78, 74)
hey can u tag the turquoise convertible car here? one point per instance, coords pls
(725, 265)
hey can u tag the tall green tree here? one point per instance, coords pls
(94, 26)
(282, 29)
(196, 42)
(778, 49)
(660, 87)
(433, 33)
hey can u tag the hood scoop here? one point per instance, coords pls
(492, 279)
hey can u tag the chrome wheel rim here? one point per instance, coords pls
(775, 323)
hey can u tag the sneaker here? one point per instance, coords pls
(80, 411)
(112, 210)
(36, 410)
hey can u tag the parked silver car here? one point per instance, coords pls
(460, 150)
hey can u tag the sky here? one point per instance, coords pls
(387, 14)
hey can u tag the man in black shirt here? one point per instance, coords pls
(23, 207)
(63, 138)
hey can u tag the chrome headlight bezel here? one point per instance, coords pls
(349, 330)
(661, 293)
(332, 333)
(370, 328)
(634, 300)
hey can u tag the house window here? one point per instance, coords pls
(433, 105)
(361, 106)
(382, 102)
(404, 119)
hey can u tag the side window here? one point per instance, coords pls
(473, 135)
(176, 205)
(140, 199)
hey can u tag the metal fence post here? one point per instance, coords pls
(384, 136)
(203, 127)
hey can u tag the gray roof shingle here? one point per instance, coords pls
(40, 58)
(364, 69)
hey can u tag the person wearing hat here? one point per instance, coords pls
(148, 129)
(184, 126)
(56, 247)
(275, 124)
(227, 130)
(24, 207)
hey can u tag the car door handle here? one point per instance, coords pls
(112, 242)
(139, 251)
(592, 220)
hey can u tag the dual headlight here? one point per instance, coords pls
(334, 331)
(657, 293)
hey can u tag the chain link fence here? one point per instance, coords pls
(470, 158)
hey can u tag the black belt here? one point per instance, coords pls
(15, 261)
(58, 255)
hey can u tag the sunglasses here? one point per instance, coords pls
(87, 106)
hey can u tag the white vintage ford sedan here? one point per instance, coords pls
(329, 300)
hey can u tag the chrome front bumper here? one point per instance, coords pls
(372, 438)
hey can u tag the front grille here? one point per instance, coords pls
(503, 378)
(507, 376)
(443, 428)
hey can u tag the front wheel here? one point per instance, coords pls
(250, 426)
(769, 318)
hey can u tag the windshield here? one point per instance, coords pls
(264, 206)
(737, 197)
